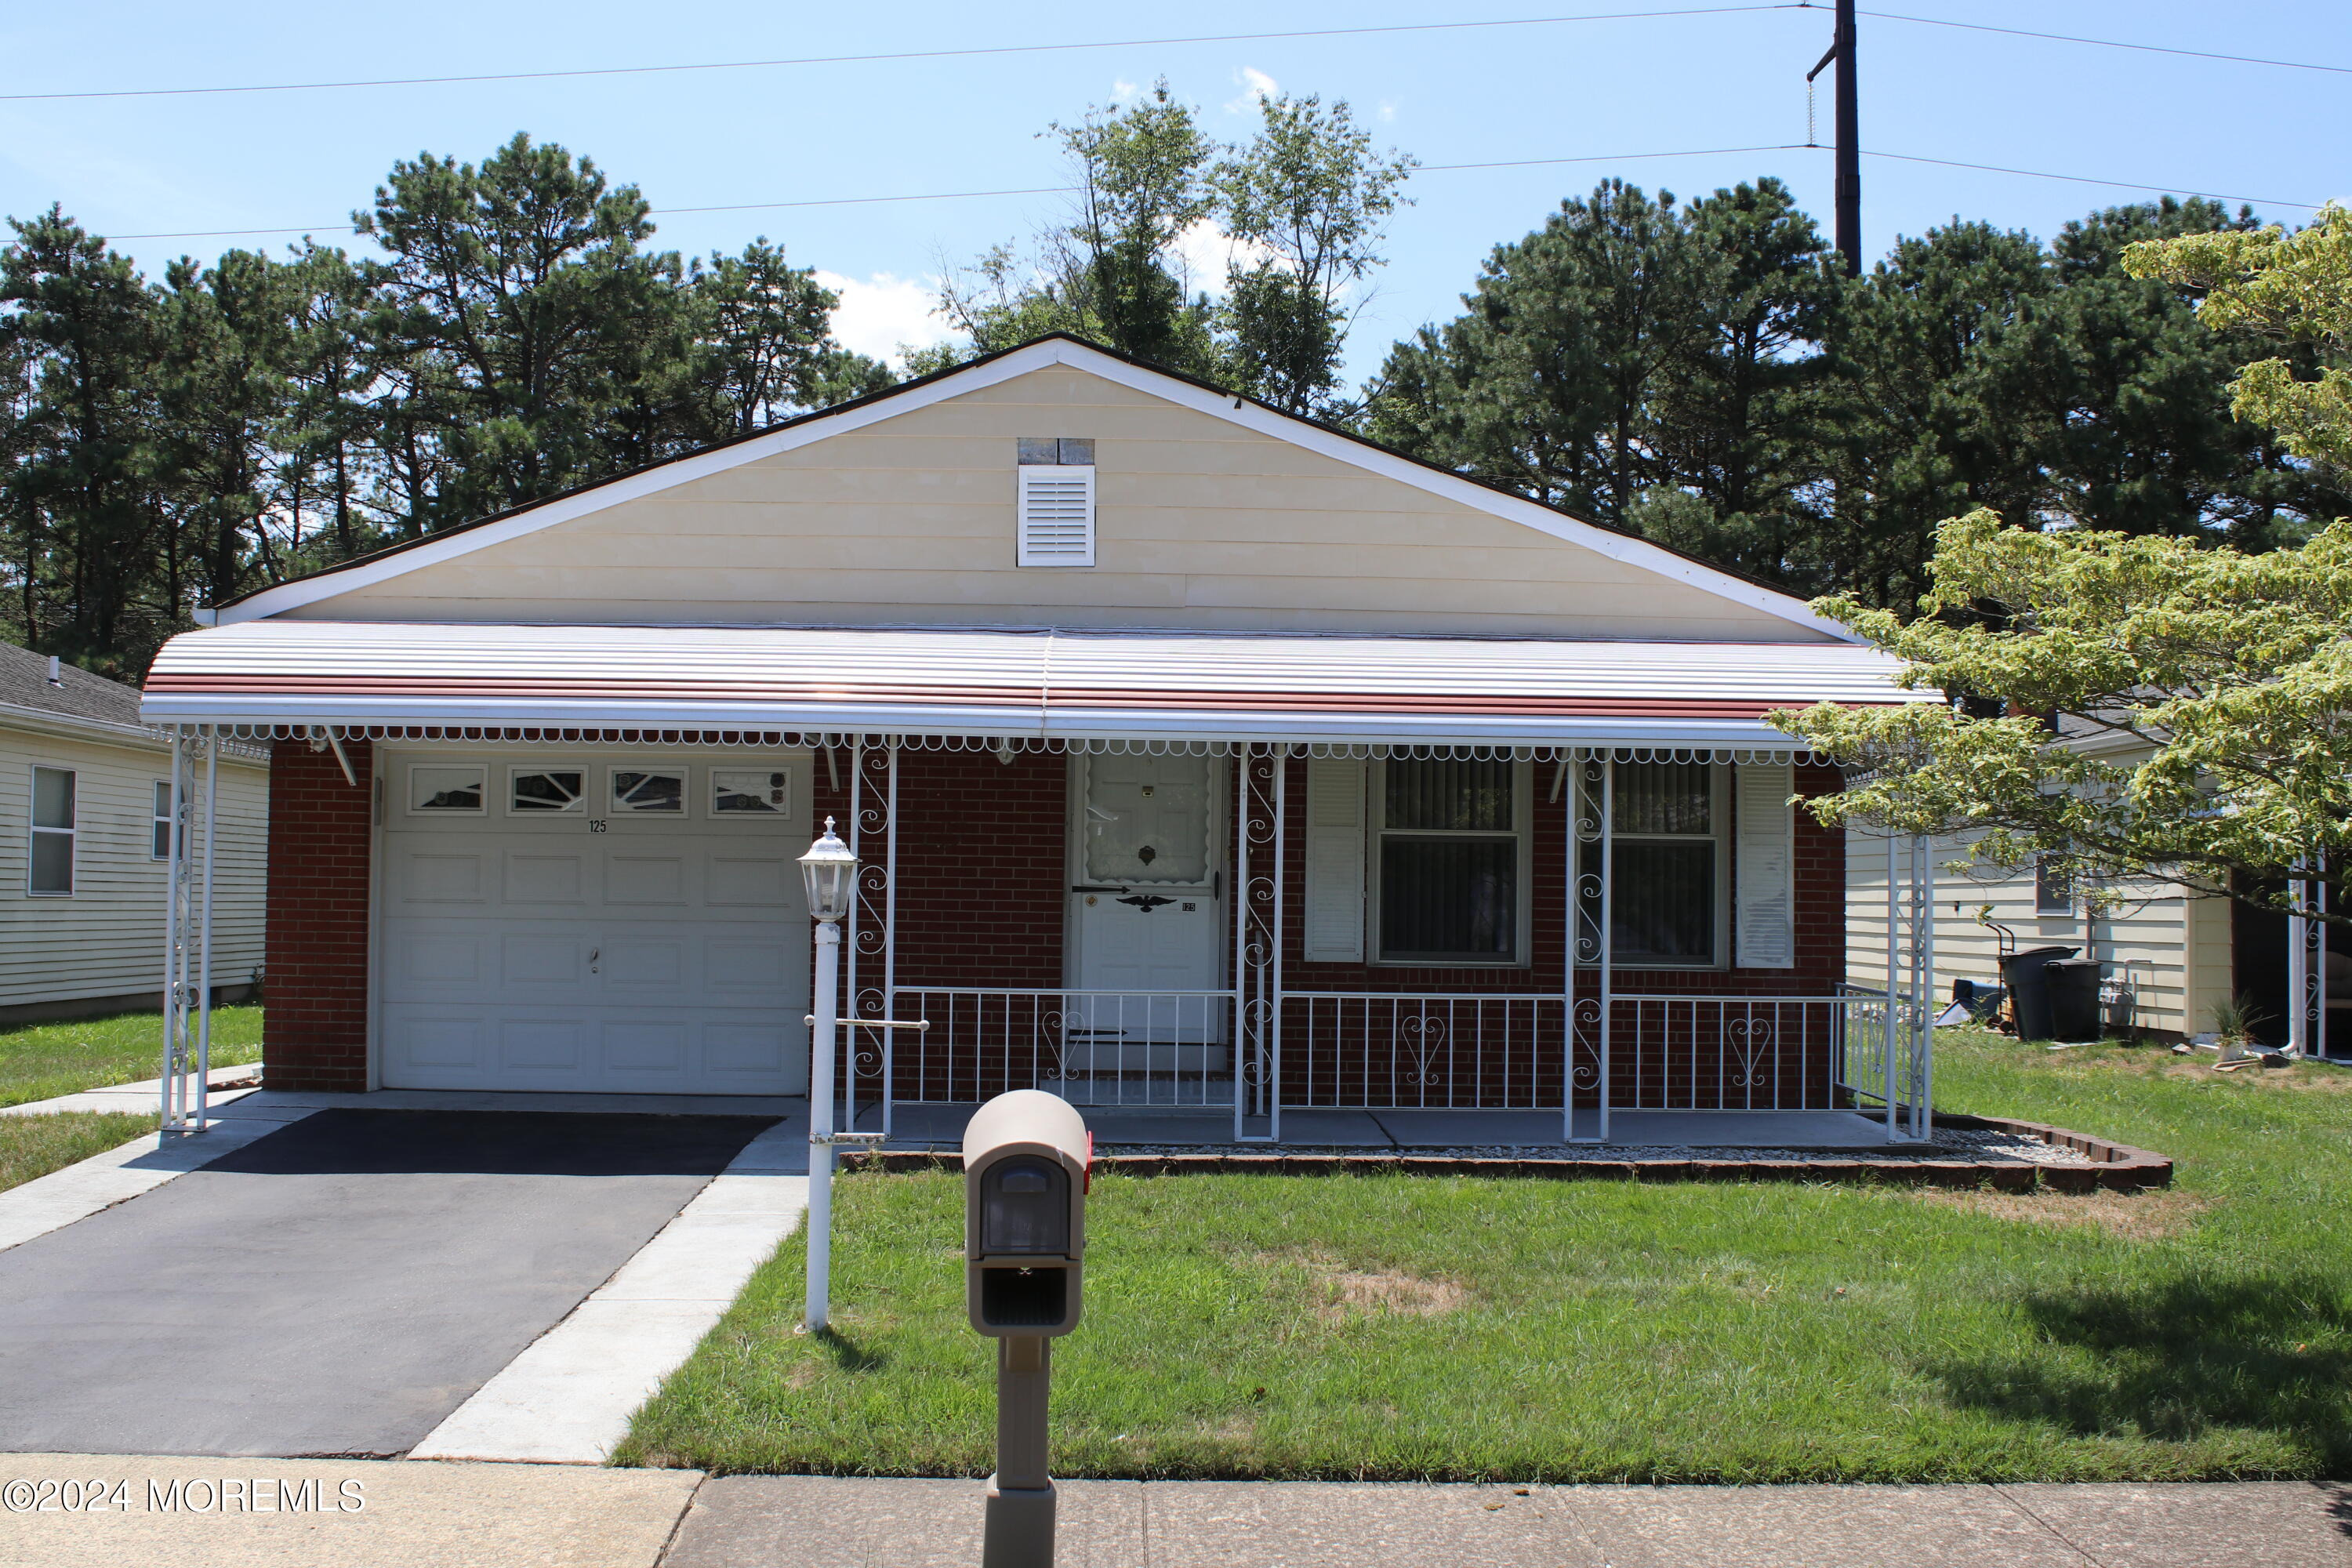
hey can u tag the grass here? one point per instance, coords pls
(33, 1146)
(1397, 1327)
(38, 1061)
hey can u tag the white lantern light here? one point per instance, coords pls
(829, 868)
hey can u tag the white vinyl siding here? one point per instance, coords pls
(107, 939)
(1335, 861)
(1764, 868)
(2145, 943)
(1058, 516)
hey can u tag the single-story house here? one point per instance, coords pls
(86, 800)
(1198, 757)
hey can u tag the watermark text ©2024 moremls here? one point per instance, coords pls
(198, 1494)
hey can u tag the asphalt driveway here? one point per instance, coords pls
(338, 1287)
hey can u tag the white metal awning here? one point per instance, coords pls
(1058, 685)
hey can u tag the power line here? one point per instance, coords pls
(2087, 180)
(2112, 44)
(910, 54)
(1426, 168)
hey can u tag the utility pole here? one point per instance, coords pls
(1849, 141)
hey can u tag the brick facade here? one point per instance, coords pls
(314, 1027)
(981, 902)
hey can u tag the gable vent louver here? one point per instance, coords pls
(1058, 516)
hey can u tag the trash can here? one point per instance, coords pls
(2029, 995)
(2073, 987)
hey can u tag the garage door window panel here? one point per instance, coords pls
(448, 789)
(646, 792)
(541, 791)
(750, 792)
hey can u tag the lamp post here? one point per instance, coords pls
(829, 869)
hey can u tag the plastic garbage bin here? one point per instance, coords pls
(2029, 995)
(2072, 984)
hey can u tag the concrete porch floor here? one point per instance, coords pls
(922, 1125)
(941, 1125)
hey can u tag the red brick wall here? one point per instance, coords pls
(314, 1015)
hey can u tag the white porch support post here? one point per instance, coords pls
(176, 848)
(205, 931)
(1887, 1036)
(1238, 905)
(889, 938)
(1923, 964)
(1608, 981)
(2306, 938)
(1569, 787)
(1278, 980)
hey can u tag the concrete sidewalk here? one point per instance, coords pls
(440, 1515)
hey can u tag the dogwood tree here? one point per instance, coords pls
(2142, 708)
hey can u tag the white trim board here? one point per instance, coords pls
(1042, 355)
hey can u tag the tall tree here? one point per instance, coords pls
(1310, 198)
(83, 499)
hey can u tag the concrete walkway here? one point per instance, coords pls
(299, 1514)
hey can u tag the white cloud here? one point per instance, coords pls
(1254, 85)
(878, 314)
(1388, 109)
(1125, 91)
(1205, 251)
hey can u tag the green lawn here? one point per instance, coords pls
(1402, 1327)
(38, 1061)
(33, 1146)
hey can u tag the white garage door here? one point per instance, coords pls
(610, 923)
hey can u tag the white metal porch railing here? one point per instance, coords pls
(1458, 1051)
(1887, 1067)
(1162, 1049)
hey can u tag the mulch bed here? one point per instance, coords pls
(2110, 1167)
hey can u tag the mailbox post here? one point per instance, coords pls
(1024, 1159)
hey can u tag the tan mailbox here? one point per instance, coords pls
(1025, 1162)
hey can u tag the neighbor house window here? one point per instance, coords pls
(160, 848)
(742, 791)
(640, 790)
(445, 787)
(1667, 895)
(535, 790)
(52, 869)
(2053, 886)
(1449, 841)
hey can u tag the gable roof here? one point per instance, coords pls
(1058, 349)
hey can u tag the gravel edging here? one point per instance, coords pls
(2104, 1166)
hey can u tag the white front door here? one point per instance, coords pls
(605, 923)
(1145, 917)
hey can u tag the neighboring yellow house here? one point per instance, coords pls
(2167, 955)
(84, 809)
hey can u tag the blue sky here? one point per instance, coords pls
(1594, 90)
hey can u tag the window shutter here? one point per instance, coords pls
(1335, 861)
(1764, 868)
(1058, 516)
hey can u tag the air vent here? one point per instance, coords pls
(1057, 515)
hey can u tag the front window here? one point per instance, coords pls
(1450, 838)
(1666, 896)
(52, 868)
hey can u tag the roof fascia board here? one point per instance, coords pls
(987, 720)
(633, 487)
(1023, 362)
